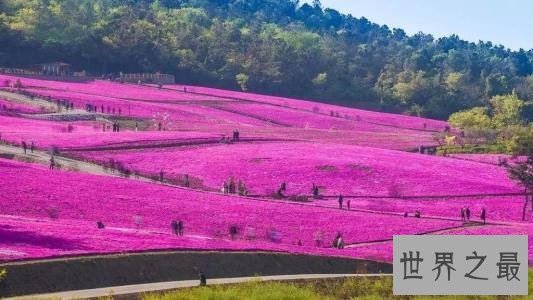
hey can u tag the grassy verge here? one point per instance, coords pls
(349, 288)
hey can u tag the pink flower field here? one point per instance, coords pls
(361, 154)
(256, 113)
(362, 115)
(338, 169)
(74, 197)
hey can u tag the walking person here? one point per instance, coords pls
(484, 215)
(463, 217)
(32, 146)
(24, 146)
(348, 204)
(180, 228)
(283, 187)
(203, 279)
(174, 226)
(341, 200)
(52, 163)
(468, 214)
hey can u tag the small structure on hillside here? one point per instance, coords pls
(157, 78)
(52, 69)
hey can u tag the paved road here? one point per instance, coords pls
(172, 285)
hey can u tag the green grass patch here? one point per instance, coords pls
(346, 288)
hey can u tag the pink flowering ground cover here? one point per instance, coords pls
(362, 115)
(108, 89)
(85, 134)
(122, 203)
(308, 119)
(337, 169)
(383, 251)
(58, 238)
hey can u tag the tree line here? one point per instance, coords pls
(271, 46)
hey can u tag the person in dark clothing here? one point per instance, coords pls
(100, 225)
(231, 186)
(463, 216)
(118, 127)
(32, 146)
(483, 215)
(283, 187)
(348, 204)
(24, 146)
(233, 230)
(316, 192)
(52, 163)
(174, 225)
(468, 214)
(161, 175)
(203, 279)
(180, 228)
(341, 200)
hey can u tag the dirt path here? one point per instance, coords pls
(439, 231)
(18, 98)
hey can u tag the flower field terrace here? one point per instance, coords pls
(336, 169)
(49, 213)
(83, 134)
(201, 112)
(325, 109)
(119, 203)
(106, 89)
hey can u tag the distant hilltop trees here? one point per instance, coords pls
(270, 46)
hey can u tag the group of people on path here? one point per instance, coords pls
(115, 127)
(89, 107)
(177, 227)
(67, 105)
(465, 214)
(341, 202)
(25, 147)
(229, 187)
(236, 135)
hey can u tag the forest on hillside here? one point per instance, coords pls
(277, 47)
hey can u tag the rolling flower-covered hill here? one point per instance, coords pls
(162, 154)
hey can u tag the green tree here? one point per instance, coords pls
(242, 81)
(475, 118)
(523, 174)
(506, 110)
